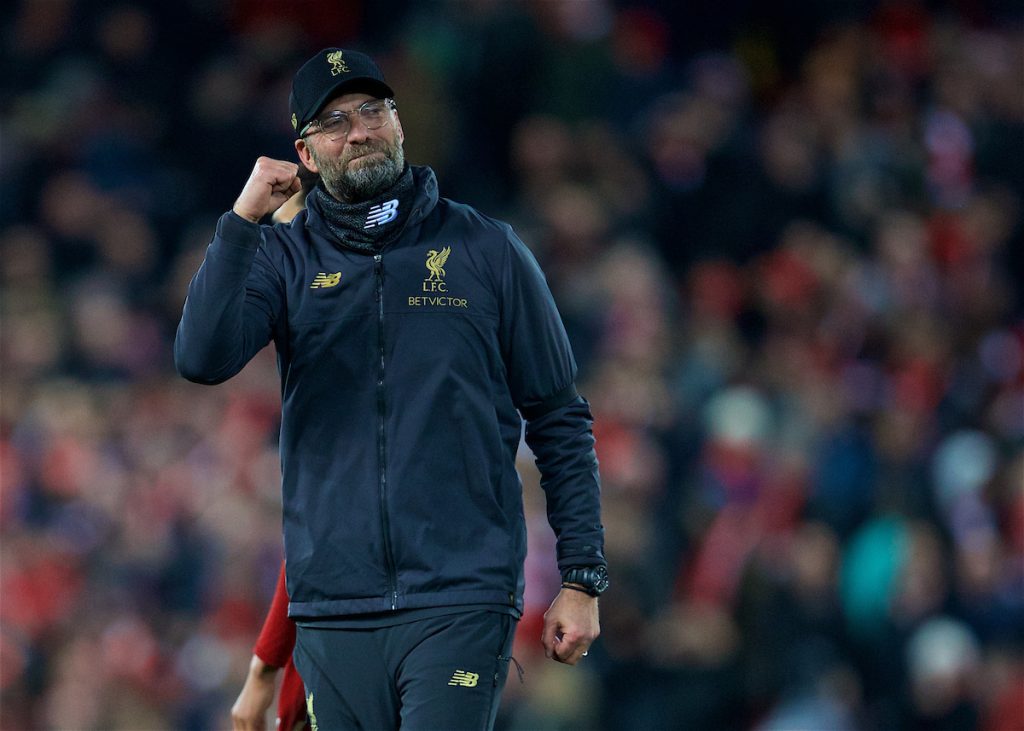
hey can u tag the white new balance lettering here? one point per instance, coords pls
(381, 214)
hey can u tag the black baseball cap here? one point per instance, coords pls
(331, 72)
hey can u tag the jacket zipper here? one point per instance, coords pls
(382, 474)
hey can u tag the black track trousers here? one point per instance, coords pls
(442, 673)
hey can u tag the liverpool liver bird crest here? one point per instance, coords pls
(435, 263)
(337, 63)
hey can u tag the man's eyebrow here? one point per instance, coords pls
(357, 106)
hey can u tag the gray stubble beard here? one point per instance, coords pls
(366, 181)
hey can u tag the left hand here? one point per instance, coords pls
(570, 626)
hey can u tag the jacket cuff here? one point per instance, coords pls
(237, 231)
(577, 554)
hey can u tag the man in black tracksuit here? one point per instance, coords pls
(413, 335)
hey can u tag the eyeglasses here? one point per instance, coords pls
(373, 114)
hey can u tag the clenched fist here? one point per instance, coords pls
(271, 183)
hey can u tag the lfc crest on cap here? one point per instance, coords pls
(337, 63)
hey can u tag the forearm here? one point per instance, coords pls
(563, 444)
(250, 708)
(218, 332)
(262, 671)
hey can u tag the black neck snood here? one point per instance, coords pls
(369, 225)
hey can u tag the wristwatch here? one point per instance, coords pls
(592, 580)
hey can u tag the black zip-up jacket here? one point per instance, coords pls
(403, 377)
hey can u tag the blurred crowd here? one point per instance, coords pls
(788, 245)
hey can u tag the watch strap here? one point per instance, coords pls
(574, 587)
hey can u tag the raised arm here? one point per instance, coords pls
(235, 297)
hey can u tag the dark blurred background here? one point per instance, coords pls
(788, 244)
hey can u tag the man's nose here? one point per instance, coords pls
(357, 130)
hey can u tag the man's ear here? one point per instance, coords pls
(304, 155)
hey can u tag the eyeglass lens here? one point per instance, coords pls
(338, 124)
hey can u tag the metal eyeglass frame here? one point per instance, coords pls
(338, 120)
